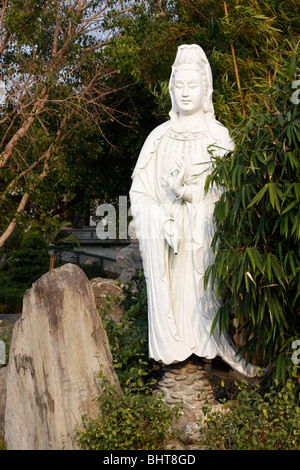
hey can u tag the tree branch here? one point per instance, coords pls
(6, 234)
(38, 107)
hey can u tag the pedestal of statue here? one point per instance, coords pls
(189, 385)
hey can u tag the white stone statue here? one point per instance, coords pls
(173, 218)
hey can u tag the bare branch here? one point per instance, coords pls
(5, 155)
(6, 234)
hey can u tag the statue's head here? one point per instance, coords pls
(191, 82)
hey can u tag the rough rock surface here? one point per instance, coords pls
(130, 261)
(107, 289)
(56, 351)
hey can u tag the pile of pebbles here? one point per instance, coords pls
(187, 383)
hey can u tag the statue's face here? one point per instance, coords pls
(188, 91)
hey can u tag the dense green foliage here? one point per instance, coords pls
(258, 420)
(2, 445)
(5, 336)
(31, 261)
(257, 240)
(241, 40)
(25, 266)
(125, 422)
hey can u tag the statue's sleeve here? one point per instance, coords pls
(148, 214)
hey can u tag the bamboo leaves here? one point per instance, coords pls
(259, 195)
(257, 258)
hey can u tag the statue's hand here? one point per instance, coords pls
(176, 178)
(172, 233)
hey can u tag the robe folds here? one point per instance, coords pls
(180, 310)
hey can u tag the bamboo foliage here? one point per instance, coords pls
(235, 63)
(257, 262)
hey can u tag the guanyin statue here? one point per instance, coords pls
(173, 218)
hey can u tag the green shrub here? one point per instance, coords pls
(258, 420)
(28, 263)
(2, 445)
(5, 336)
(24, 267)
(126, 421)
(10, 297)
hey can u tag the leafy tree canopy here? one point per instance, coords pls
(57, 82)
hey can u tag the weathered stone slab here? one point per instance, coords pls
(56, 351)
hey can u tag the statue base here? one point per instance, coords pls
(187, 383)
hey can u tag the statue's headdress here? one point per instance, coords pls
(189, 54)
(194, 56)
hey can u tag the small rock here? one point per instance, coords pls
(191, 433)
(107, 291)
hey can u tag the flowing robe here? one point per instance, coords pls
(180, 310)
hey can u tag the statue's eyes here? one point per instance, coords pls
(193, 84)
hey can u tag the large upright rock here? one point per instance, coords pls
(57, 349)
